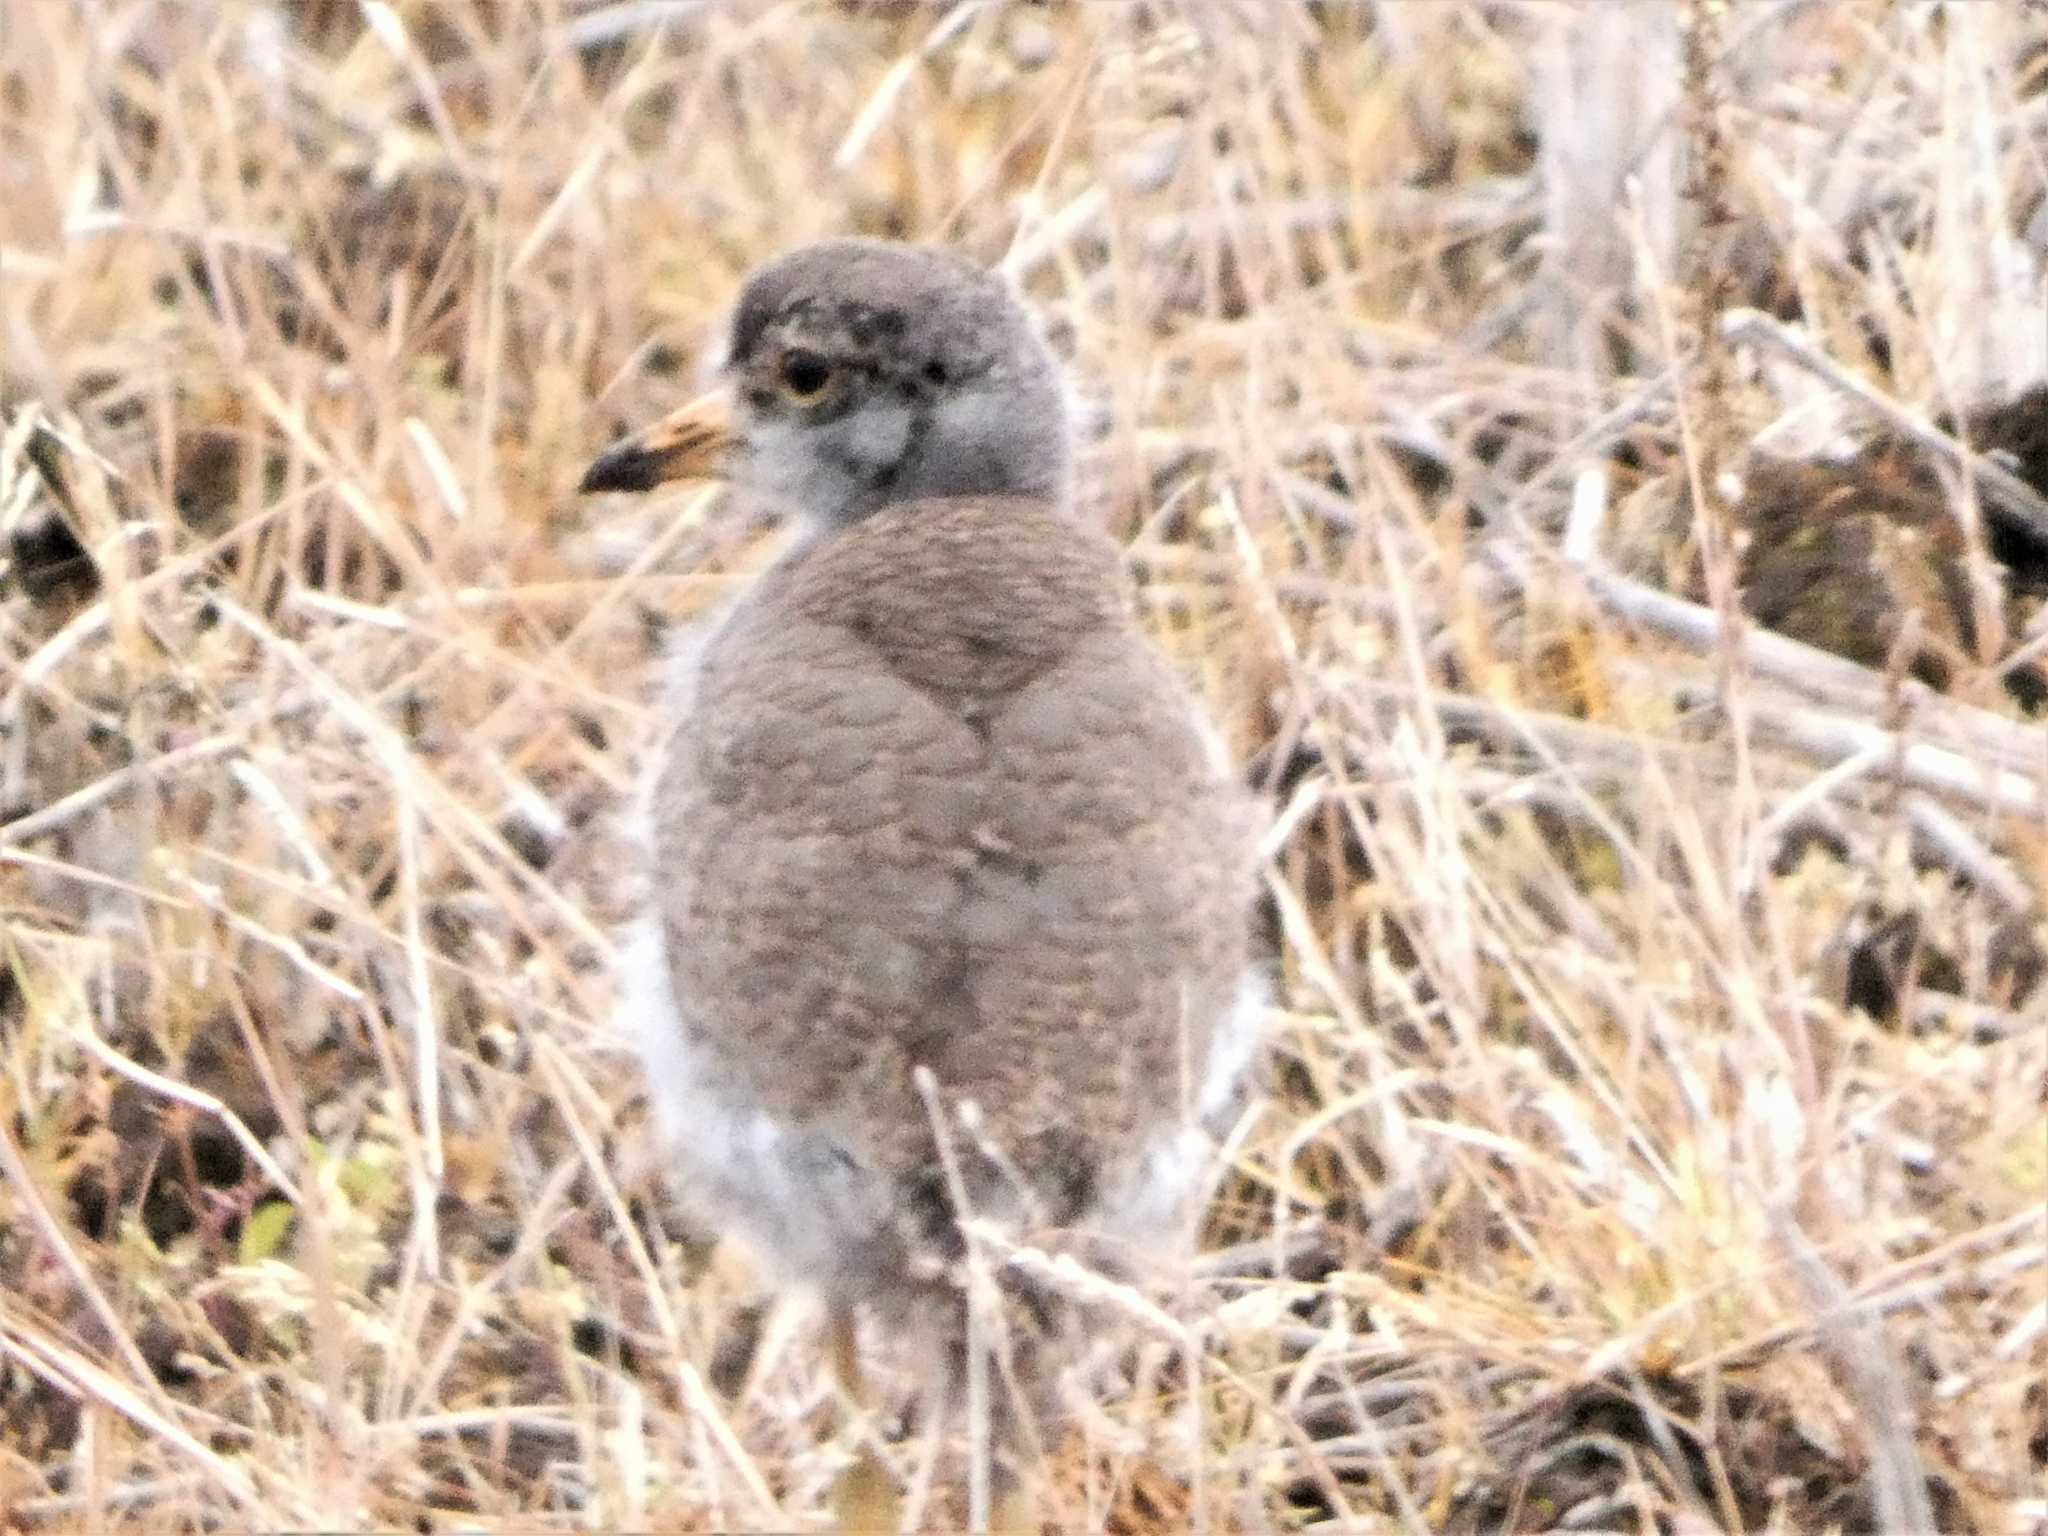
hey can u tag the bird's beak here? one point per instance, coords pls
(690, 444)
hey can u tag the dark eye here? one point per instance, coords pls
(805, 374)
(935, 374)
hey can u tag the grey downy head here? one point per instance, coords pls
(857, 375)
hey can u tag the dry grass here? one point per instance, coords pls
(1655, 1137)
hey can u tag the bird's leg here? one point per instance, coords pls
(733, 1361)
(843, 1334)
(864, 1495)
(1012, 1509)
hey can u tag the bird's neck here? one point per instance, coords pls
(972, 593)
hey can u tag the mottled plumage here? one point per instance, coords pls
(928, 799)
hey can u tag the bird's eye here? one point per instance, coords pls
(805, 374)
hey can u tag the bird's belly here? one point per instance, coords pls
(816, 1216)
(825, 1216)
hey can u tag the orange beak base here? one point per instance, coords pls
(689, 444)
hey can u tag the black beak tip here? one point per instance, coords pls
(624, 468)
